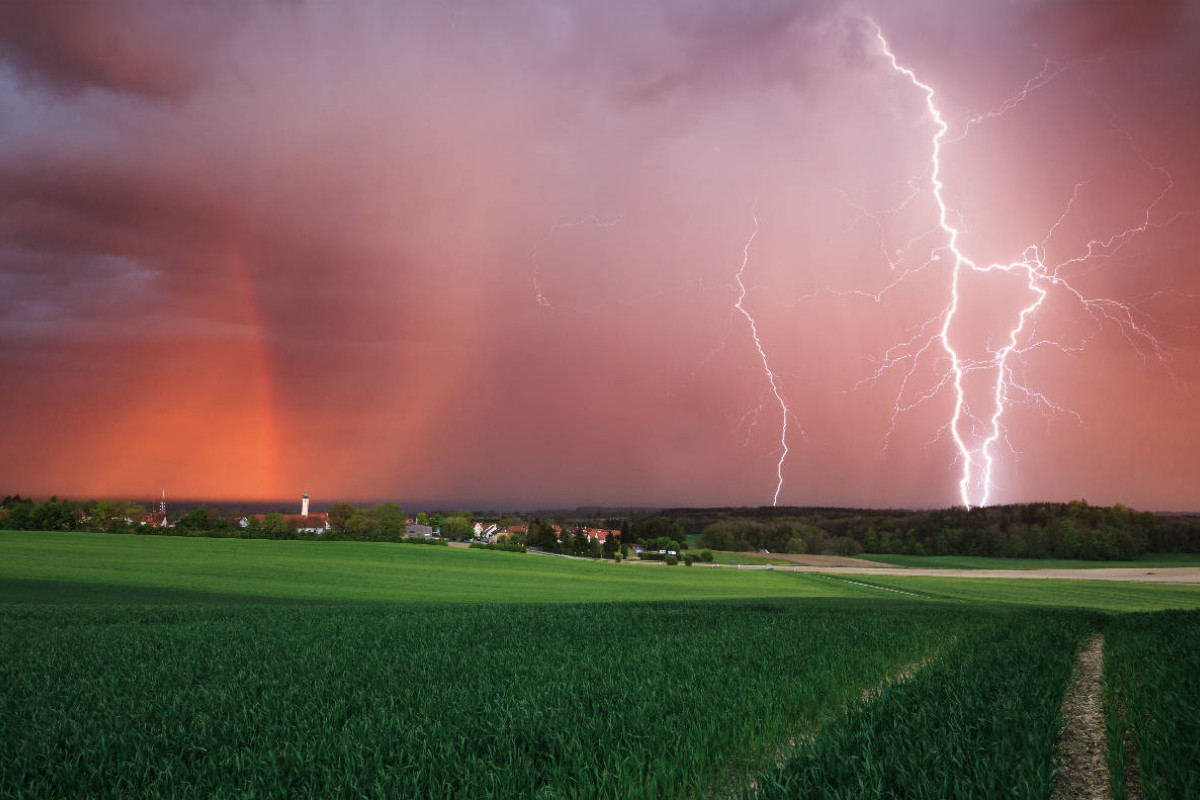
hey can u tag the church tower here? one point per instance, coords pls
(304, 505)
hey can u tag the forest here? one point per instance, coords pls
(1026, 530)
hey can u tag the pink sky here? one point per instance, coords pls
(485, 253)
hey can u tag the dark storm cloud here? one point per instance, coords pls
(1088, 28)
(150, 49)
(85, 205)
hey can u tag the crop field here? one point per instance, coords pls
(1081, 594)
(361, 571)
(171, 667)
(1148, 561)
(623, 700)
(1153, 670)
(984, 724)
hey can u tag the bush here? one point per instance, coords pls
(508, 547)
(706, 556)
(423, 540)
(688, 559)
(671, 560)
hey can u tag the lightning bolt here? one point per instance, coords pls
(772, 378)
(969, 457)
(978, 461)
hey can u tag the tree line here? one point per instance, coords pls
(385, 522)
(1074, 530)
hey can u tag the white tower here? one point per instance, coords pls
(304, 505)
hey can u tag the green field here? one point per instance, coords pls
(1153, 668)
(143, 666)
(608, 700)
(362, 571)
(1074, 593)
(1148, 561)
(87, 567)
(926, 737)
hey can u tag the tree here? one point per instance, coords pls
(611, 546)
(197, 520)
(276, 527)
(339, 515)
(457, 528)
(16, 514)
(53, 516)
(541, 535)
(358, 526)
(253, 529)
(388, 522)
(104, 516)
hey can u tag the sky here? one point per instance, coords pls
(517, 253)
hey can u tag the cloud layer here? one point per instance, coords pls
(484, 253)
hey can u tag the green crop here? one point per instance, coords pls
(44, 566)
(1064, 593)
(981, 722)
(431, 701)
(1152, 683)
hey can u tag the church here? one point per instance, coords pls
(305, 522)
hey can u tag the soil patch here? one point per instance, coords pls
(828, 561)
(1082, 747)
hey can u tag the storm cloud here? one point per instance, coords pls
(483, 253)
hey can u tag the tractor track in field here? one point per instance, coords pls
(790, 748)
(1083, 748)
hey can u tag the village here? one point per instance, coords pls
(385, 523)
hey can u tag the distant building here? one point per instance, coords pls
(305, 522)
(422, 531)
(158, 519)
(600, 534)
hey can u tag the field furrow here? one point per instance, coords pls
(1152, 684)
(983, 722)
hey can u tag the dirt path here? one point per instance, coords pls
(827, 561)
(839, 565)
(1082, 747)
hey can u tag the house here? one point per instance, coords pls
(420, 531)
(485, 532)
(600, 534)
